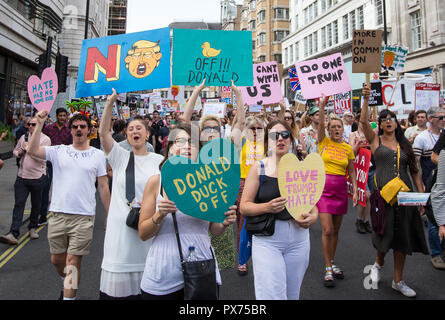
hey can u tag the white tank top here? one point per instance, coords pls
(163, 274)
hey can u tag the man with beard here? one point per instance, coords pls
(76, 168)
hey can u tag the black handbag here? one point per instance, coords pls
(199, 276)
(264, 224)
(133, 215)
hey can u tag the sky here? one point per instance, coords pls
(150, 14)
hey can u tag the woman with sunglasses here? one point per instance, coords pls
(290, 120)
(280, 260)
(93, 138)
(163, 278)
(403, 230)
(124, 253)
(338, 158)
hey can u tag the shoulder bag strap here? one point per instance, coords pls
(398, 160)
(177, 237)
(129, 181)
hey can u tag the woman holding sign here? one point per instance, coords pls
(402, 230)
(281, 259)
(338, 157)
(163, 278)
(124, 253)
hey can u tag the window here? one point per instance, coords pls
(345, 27)
(296, 26)
(252, 25)
(244, 14)
(279, 35)
(335, 31)
(315, 38)
(297, 51)
(310, 44)
(360, 19)
(277, 58)
(323, 6)
(286, 56)
(261, 16)
(306, 48)
(416, 27)
(379, 11)
(281, 13)
(252, 5)
(323, 38)
(291, 54)
(261, 38)
(262, 58)
(253, 44)
(306, 16)
(329, 35)
(352, 21)
(315, 4)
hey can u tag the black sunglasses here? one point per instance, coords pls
(210, 129)
(440, 118)
(33, 124)
(275, 135)
(256, 128)
(82, 126)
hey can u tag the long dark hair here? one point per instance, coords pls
(288, 128)
(405, 145)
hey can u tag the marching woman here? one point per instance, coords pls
(124, 253)
(338, 158)
(279, 260)
(163, 278)
(402, 230)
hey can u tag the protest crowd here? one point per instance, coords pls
(127, 161)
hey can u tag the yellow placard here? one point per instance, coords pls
(301, 183)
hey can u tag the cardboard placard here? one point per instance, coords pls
(207, 188)
(256, 109)
(324, 75)
(342, 103)
(376, 99)
(43, 92)
(366, 51)
(394, 58)
(215, 109)
(427, 95)
(361, 165)
(218, 56)
(125, 62)
(301, 183)
(266, 88)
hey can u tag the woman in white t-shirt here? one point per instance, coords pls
(163, 278)
(124, 253)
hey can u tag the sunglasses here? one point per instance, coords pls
(256, 128)
(210, 129)
(440, 118)
(33, 124)
(81, 126)
(275, 135)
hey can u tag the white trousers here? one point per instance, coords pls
(280, 261)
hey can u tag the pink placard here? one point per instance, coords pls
(324, 75)
(43, 92)
(266, 88)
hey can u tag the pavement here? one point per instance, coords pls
(26, 271)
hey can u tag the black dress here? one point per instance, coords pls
(404, 227)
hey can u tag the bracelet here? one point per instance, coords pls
(156, 223)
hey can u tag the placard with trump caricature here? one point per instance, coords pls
(126, 62)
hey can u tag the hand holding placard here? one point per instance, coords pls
(43, 92)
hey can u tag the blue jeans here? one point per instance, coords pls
(433, 238)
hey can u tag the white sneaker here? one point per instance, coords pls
(376, 273)
(404, 289)
(33, 234)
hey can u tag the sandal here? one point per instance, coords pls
(338, 273)
(242, 269)
(329, 278)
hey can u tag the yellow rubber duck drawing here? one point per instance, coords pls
(208, 51)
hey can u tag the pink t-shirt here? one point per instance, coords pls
(30, 167)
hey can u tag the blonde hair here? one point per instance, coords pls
(250, 120)
(333, 117)
(144, 44)
(207, 118)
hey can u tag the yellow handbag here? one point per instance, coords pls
(390, 190)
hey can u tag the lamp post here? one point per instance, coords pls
(385, 35)
(87, 17)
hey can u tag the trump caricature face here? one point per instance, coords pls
(143, 58)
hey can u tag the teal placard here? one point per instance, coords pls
(218, 56)
(207, 188)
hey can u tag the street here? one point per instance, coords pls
(26, 272)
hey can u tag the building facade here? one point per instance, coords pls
(269, 22)
(230, 15)
(24, 29)
(323, 27)
(117, 19)
(420, 26)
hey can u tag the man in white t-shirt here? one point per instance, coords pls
(75, 170)
(348, 120)
(421, 125)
